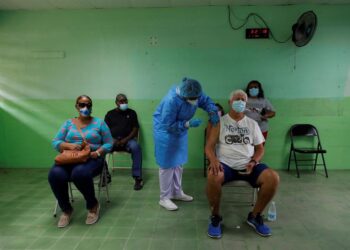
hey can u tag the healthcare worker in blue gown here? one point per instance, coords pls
(171, 121)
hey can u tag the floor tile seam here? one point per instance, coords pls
(153, 239)
(120, 238)
(29, 247)
(128, 238)
(102, 242)
(80, 239)
(77, 244)
(88, 237)
(58, 239)
(40, 235)
(131, 232)
(126, 242)
(123, 207)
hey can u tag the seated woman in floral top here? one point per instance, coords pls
(97, 134)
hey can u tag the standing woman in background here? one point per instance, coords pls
(258, 107)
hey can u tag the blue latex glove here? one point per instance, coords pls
(214, 118)
(195, 122)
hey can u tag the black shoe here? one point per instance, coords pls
(215, 220)
(138, 184)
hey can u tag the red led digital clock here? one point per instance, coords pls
(257, 33)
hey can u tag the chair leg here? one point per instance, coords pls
(315, 164)
(290, 155)
(296, 164)
(55, 210)
(71, 198)
(99, 188)
(105, 180)
(324, 165)
(70, 191)
(255, 196)
(107, 193)
(103, 183)
(109, 160)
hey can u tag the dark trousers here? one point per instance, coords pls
(81, 175)
(136, 154)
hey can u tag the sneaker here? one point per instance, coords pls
(214, 229)
(168, 204)
(258, 224)
(93, 215)
(64, 220)
(183, 197)
(138, 184)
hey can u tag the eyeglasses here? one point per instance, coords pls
(83, 105)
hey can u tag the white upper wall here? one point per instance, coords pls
(107, 4)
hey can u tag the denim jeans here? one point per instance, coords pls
(81, 175)
(134, 149)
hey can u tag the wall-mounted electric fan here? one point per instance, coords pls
(304, 29)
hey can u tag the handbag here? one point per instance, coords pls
(74, 156)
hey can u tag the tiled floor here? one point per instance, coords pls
(313, 213)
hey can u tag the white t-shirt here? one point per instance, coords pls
(237, 140)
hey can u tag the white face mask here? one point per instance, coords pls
(238, 106)
(123, 106)
(193, 102)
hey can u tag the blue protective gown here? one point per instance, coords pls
(169, 131)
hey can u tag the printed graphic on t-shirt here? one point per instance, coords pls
(237, 135)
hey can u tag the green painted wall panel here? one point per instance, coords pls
(48, 58)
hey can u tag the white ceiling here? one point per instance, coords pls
(107, 4)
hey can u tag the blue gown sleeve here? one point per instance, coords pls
(169, 118)
(207, 104)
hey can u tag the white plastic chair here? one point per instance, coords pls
(241, 188)
(120, 159)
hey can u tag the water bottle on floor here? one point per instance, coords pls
(272, 214)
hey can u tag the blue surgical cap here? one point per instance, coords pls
(190, 88)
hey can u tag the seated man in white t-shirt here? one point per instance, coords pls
(234, 149)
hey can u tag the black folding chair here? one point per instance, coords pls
(305, 139)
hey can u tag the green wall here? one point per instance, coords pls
(48, 58)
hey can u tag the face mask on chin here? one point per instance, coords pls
(238, 106)
(85, 112)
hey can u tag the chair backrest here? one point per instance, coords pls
(303, 130)
(308, 135)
